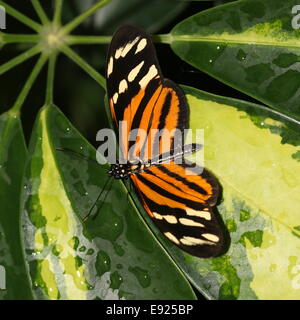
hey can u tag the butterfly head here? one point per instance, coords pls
(119, 171)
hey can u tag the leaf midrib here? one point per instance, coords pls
(189, 38)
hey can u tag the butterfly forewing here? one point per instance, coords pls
(141, 99)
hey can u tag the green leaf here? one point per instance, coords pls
(113, 255)
(14, 282)
(118, 12)
(249, 45)
(254, 152)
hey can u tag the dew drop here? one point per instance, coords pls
(210, 61)
(115, 280)
(102, 263)
(218, 47)
(241, 55)
(141, 275)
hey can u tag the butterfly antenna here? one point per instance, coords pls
(77, 154)
(109, 179)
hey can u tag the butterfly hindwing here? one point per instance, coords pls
(182, 207)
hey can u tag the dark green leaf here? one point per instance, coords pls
(250, 45)
(14, 283)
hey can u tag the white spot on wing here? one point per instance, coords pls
(171, 236)
(190, 223)
(115, 98)
(191, 241)
(110, 66)
(122, 86)
(211, 237)
(157, 216)
(122, 51)
(149, 76)
(135, 71)
(202, 214)
(118, 53)
(129, 46)
(170, 219)
(142, 44)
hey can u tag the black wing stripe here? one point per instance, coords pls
(149, 91)
(160, 191)
(177, 177)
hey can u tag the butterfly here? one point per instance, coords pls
(181, 205)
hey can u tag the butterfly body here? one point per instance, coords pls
(180, 202)
(125, 170)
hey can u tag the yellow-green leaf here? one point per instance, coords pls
(254, 152)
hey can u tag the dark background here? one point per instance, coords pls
(77, 94)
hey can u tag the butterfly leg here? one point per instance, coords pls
(76, 154)
(108, 183)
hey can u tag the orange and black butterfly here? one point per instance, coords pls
(180, 204)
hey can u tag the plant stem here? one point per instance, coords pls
(57, 12)
(19, 59)
(74, 23)
(18, 38)
(162, 38)
(21, 17)
(33, 75)
(50, 79)
(84, 65)
(71, 40)
(40, 11)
